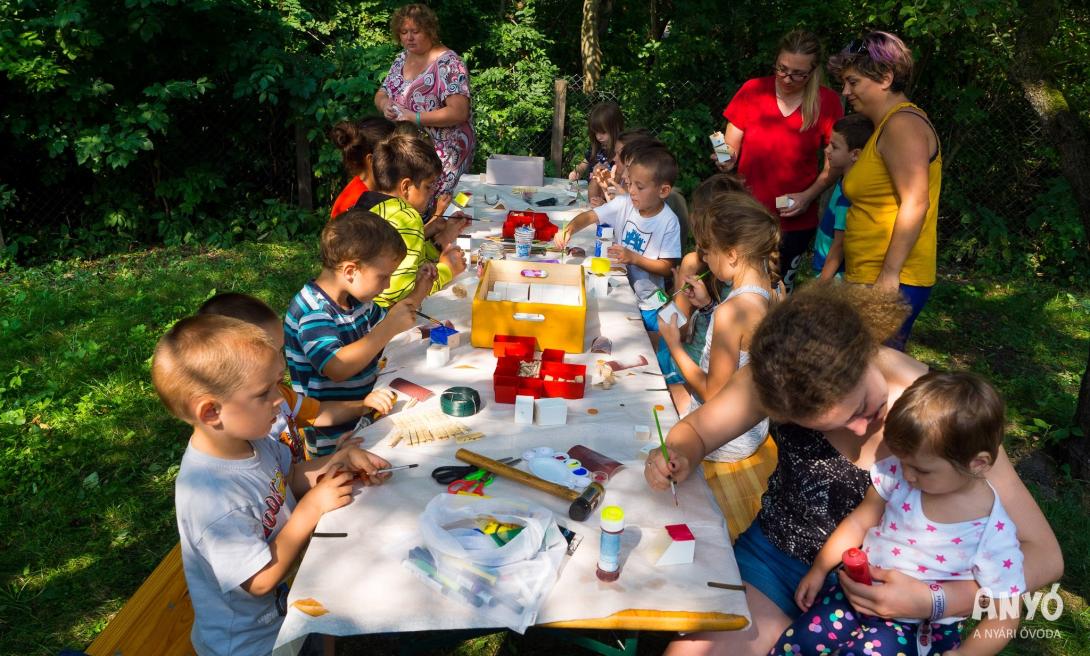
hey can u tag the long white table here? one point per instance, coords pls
(359, 578)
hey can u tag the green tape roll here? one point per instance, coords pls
(460, 401)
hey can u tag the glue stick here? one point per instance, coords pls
(856, 566)
(609, 550)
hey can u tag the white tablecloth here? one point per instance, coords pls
(359, 579)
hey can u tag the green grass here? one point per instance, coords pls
(89, 457)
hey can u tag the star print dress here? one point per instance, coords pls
(984, 549)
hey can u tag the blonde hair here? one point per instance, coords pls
(206, 355)
(802, 42)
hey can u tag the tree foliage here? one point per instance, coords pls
(161, 121)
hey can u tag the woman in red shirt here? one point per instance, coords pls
(356, 140)
(776, 128)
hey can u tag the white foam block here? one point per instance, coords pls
(674, 545)
(642, 432)
(494, 296)
(524, 409)
(552, 412)
(438, 355)
(464, 243)
(542, 293)
(598, 285)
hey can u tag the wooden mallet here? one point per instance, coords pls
(582, 503)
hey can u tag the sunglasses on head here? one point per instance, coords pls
(856, 47)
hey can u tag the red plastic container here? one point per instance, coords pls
(507, 384)
(544, 230)
(856, 565)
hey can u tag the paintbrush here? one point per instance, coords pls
(398, 468)
(687, 285)
(431, 319)
(665, 455)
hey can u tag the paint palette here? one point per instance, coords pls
(557, 467)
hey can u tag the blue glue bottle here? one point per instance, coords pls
(609, 550)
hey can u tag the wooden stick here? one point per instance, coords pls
(517, 475)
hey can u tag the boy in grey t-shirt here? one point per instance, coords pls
(241, 529)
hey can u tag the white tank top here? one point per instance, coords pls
(744, 445)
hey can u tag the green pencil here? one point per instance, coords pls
(665, 455)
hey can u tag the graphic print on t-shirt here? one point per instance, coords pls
(634, 238)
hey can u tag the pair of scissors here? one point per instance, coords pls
(473, 484)
(448, 474)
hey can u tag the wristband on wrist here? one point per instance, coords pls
(938, 601)
(418, 123)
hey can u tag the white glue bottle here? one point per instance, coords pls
(609, 549)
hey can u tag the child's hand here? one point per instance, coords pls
(809, 587)
(442, 201)
(363, 463)
(597, 201)
(697, 291)
(426, 274)
(619, 253)
(381, 400)
(455, 258)
(401, 315)
(670, 331)
(454, 227)
(333, 491)
(348, 440)
(561, 238)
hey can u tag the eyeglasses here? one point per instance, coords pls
(857, 47)
(788, 74)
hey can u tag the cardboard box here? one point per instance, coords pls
(555, 379)
(555, 326)
(515, 170)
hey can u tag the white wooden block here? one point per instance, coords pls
(540, 292)
(454, 340)
(676, 545)
(464, 243)
(598, 285)
(494, 296)
(438, 355)
(642, 432)
(670, 310)
(552, 412)
(784, 202)
(524, 409)
(518, 292)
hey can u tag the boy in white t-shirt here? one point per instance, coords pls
(647, 232)
(240, 526)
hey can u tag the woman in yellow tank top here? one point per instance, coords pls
(890, 232)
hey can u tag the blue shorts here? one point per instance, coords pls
(770, 570)
(650, 320)
(667, 365)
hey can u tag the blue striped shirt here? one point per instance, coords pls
(315, 328)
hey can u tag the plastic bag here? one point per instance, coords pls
(506, 573)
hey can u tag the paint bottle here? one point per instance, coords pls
(603, 240)
(609, 549)
(856, 566)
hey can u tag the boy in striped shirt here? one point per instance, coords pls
(333, 332)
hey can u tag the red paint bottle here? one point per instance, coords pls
(856, 565)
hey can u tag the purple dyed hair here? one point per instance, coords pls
(874, 56)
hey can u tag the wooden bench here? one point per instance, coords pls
(738, 486)
(157, 619)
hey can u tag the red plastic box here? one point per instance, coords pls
(544, 230)
(507, 384)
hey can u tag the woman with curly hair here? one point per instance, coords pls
(819, 370)
(428, 85)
